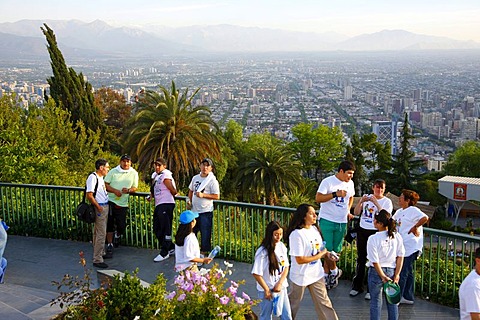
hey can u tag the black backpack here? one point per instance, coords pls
(85, 210)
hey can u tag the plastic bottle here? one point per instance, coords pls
(214, 252)
(5, 225)
(323, 246)
(276, 307)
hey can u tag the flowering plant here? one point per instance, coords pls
(208, 294)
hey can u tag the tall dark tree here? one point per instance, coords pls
(69, 89)
(405, 167)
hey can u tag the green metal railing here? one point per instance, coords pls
(49, 211)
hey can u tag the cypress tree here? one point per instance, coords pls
(69, 89)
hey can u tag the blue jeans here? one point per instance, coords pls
(375, 285)
(204, 225)
(407, 279)
(266, 306)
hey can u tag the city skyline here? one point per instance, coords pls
(453, 19)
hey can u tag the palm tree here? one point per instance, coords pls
(270, 173)
(167, 125)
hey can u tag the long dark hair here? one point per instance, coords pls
(182, 232)
(385, 218)
(297, 220)
(269, 244)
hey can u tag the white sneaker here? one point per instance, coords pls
(367, 296)
(405, 301)
(354, 293)
(161, 258)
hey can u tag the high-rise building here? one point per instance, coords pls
(386, 131)
(347, 92)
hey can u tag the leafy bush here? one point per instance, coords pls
(207, 294)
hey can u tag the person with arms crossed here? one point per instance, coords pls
(203, 189)
(469, 292)
(368, 207)
(335, 194)
(121, 181)
(163, 190)
(409, 220)
(99, 200)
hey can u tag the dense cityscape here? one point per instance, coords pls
(360, 92)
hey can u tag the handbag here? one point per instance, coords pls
(86, 211)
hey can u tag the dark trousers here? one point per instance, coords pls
(117, 217)
(162, 226)
(359, 278)
(204, 225)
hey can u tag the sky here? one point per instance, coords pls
(456, 19)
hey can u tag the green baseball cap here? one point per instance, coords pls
(392, 292)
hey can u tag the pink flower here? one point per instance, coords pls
(179, 280)
(187, 286)
(214, 289)
(232, 290)
(224, 300)
(234, 284)
(239, 300)
(170, 295)
(182, 297)
(245, 296)
(203, 287)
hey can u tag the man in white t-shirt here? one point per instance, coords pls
(203, 189)
(335, 194)
(97, 195)
(469, 292)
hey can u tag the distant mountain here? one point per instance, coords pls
(229, 38)
(388, 40)
(96, 39)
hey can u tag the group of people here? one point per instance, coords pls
(109, 190)
(387, 246)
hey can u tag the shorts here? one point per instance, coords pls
(333, 234)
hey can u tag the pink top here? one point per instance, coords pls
(161, 192)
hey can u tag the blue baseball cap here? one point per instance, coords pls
(187, 216)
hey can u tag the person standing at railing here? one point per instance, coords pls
(163, 190)
(100, 202)
(409, 220)
(335, 194)
(469, 292)
(385, 253)
(270, 270)
(306, 249)
(203, 189)
(121, 181)
(367, 208)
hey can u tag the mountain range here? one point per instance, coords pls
(24, 39)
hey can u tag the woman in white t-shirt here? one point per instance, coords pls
(385, 253)
(187, 249)
(270, 270)
(368, 206)
(409, 220)
(306, 271)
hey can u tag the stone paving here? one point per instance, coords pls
(33, 263)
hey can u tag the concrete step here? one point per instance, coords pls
(20, 302)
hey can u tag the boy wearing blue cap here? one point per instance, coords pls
(187, 249)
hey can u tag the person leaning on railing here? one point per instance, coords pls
(409, 220)
(469, 292)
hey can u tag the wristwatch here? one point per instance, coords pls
(334, 194)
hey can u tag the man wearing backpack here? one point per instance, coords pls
(98, 197)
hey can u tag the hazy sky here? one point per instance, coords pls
(458, 19)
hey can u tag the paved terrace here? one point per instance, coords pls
(34, 262)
